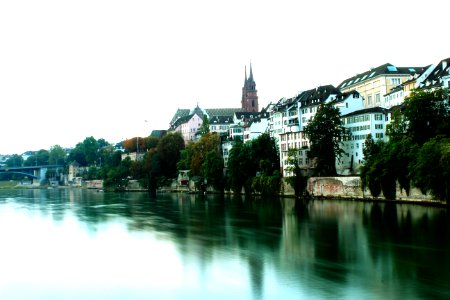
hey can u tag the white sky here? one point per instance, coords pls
(72, 69)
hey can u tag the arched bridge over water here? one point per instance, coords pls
(34, 172)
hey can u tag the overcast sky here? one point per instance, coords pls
(119, 69)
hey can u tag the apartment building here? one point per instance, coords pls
(372, 85)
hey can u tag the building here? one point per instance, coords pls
(249, 102)
(187, 122)
(379, 81)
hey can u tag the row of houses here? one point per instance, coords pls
(365, 102)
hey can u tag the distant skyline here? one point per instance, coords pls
(115, 70)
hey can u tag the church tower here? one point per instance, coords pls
(249, 100)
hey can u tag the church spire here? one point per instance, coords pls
(245, 79)
(250, 78)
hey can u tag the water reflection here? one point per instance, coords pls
(185, 246)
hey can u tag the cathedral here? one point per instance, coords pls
(249, 102)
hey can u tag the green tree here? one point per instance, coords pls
(427, 114)
(212, 170)
(57, 155)
(210, 142)
(14, 160)
(264, 155)
(297, 180)
(430, 171)
(326, 132)
(169, 152)
(239, 170)
(39, 158)
(204, 128)
(371, 170)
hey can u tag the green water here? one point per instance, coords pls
(76, 244)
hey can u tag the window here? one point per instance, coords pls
(378, 126)
(369, 100)
(346, 104)
(378, 117)
(392, 68)
(377, 98)
(379, 135)
(395, 81)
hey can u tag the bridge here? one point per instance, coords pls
(34, 172)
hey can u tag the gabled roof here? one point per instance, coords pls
(245, 115)
(317, 95)
(179, 113)
(183, 115)
(434, 80)
(386, 69)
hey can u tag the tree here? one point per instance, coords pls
(14, 160)
(212, 170)
(239, 173)
(326, 132)
(264, 154)
(430, 171)
(427, 114)
(204, 129)
(371, 168)
(57, 155)
(296, 180)
(207, 143)
(169, 152)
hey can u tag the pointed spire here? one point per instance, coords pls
(250, 78)
(245, 79)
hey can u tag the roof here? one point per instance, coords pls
(317, 95)
(158, 133)
(183, 115)
(371, 110)
(221, 120)
(434, 80)
(386, 69)
(229, 112)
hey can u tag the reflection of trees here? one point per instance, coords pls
(411, 245)
(323, 246)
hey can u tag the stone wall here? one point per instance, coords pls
(351, 187)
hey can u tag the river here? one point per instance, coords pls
(80, 244)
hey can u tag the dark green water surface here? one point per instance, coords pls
(77, 244)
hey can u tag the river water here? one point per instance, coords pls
(78, 244)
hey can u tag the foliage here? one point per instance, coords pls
(417, 150)
(140, 144)
(267, 185)
(86, 152)
(207, 143)
(264, 155)
(204, 128)
(57, 155)
(212, 170)
(427, 114)
(14, 160)
(258, 158)
(40, 158)
(297, 180)
(118, 176)
(325, 132)
(430, 171)
(169, 152)
(239, 167)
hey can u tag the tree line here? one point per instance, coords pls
(418, 151)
